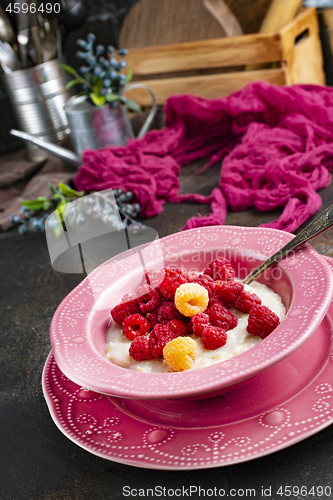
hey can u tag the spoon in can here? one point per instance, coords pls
(8, 58)
(317, 226)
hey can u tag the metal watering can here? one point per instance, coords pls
(92, 127)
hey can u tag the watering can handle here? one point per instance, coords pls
(153, 110)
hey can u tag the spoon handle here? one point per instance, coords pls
(317, 226)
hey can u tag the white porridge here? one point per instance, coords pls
(238, 340)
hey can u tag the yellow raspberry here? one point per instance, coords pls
(191, 298)
(180, 353)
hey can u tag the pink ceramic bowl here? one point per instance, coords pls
(78, 329)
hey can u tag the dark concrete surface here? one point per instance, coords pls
(36, 460)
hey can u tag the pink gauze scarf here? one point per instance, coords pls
(275, 144)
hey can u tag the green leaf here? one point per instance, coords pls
(33, 204)
(51, 188)
(97, 87)
(132, 105)
(71, 84)
(73, 72)
(68, 191)
(90, 77)
(95, 80)
(112, 97)
(129, 75)
(58, 196)
(47, 204)
(60, 205)
(96, 99)
(69, 69)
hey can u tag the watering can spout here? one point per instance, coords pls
(64, 154)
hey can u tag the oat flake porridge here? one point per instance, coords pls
(188, 321)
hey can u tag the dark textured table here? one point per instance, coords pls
(37, 461)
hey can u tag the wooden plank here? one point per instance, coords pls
(302, 49)
(209, 86)
(215, 53)
(280, 12)
(163, 22)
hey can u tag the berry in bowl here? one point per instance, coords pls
(188, 320)
(294, 297)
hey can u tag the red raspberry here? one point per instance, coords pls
(189, 327)
(153, 319)
(167, 311)
(177, 327)
(246, 301)
(192, 275)
(229, 291)
(139, 348)
(199, 322)
(262, 321)
(213, 337)
(158, 339)
(128, 305)
(171, 280)
(207, 282)
(150, 278)
(142, 292)
(220, 269)
(149, 298)
(135, 325)
(216, 299)
(221, 316)
(185, 273)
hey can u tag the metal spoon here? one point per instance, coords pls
(34, 46)
(49, 39)
(8, 58)
(317, 226)
(23, 34)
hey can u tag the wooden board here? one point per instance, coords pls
(216, 53)
(302, 49)
(169, 69)
(208, 86)
(279, 14)
(162, 22)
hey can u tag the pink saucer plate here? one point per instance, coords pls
(79, 326)
(287, 403)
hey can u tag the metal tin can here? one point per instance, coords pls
(38, 96)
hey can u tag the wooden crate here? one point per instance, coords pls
(203, 68)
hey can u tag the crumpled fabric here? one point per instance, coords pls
(275, 145)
